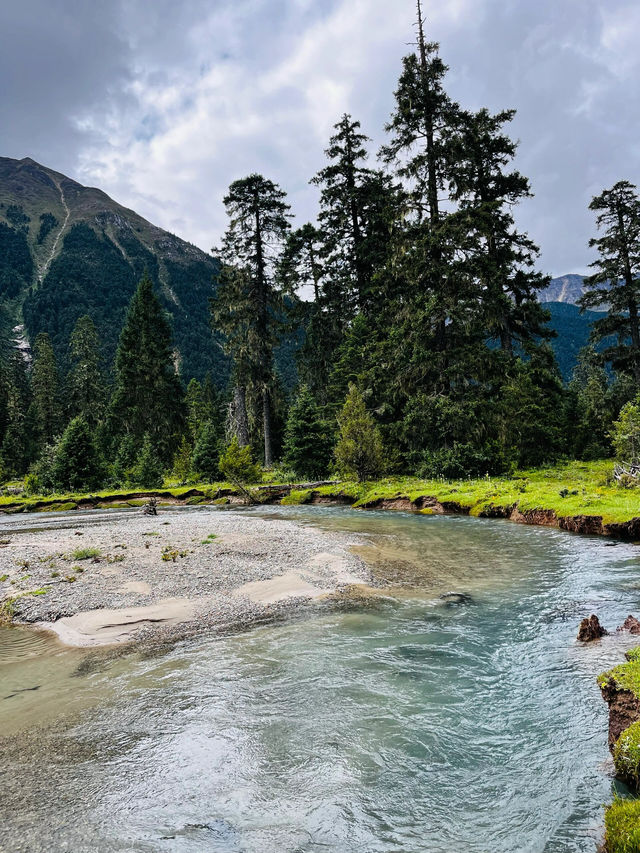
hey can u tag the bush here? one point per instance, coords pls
(125, 461)
(622, 827)
(237, 466)
(462, 461)
(359, 453)
(626, 756)
(31, 485)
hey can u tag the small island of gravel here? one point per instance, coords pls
(101, 578)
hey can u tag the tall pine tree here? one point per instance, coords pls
(249, 305)
(147, 393)
(616, 282)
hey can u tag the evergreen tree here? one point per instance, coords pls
(45, 390)
(359, 451)
(17, 444)
(616, 282)
(147, 395)
(503, 259)
(591, 407)
(182, 461)
(148, 471)
(307, 445)
(206, 453)
(77, 465)
(125, 459)
(196, 406)
(85, 383)
(249, 305)
(626, 433)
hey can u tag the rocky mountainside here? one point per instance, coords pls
(567, 288)
(68, 250)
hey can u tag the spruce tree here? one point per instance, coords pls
(148, 471)
(17, 444)
(206, 453)
(358, 452)
(616, 282)
(77, 465)
(147, 395)
(181, 469)
(249, 304)
(196, 407)
(45, 390)
(591, 407)
(307, 444)
(85, 383)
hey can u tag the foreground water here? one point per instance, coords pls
(416, 724)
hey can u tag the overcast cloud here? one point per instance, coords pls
(162, 103)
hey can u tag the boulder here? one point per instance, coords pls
(590, 629)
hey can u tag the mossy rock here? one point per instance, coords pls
(197, 499)
(297, 497)
(221, 501)
(623, 677)
(633, 655)
(137, 502)
(66, 507)
(626, 756)
(622, 827)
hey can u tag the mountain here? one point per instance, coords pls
(68, 250)
(567, 289)
(572, 329)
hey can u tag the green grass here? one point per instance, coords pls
(626, 676)
(85, 553)
(622, 827)
(210, 538)
(570, 488)
(297, 497)
(626, 756)
(633, 654)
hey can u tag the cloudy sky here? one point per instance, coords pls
(163, 103)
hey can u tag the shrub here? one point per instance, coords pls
(622, 827)
(359, 451)
(626, 756)
(32, 484)
(237, 466)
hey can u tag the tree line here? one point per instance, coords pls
(425, 347)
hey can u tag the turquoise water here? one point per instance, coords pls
(415, 724)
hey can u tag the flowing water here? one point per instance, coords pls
(415, 723)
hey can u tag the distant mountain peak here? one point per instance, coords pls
(567, 288)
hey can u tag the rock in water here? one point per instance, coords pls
(630, 624)
(591, 629)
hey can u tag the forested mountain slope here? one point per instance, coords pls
(68, 250)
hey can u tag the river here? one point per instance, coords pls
(412, 723)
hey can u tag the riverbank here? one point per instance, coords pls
(112, 578)
(580, 497)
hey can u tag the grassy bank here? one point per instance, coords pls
(568, 490)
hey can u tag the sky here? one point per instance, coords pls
(162, 103)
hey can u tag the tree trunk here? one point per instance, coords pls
(266, 420)
(240, 420)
